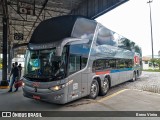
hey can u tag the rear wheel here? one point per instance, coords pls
(134, 77)
(94, 90)
(105, 87)
(137, 73)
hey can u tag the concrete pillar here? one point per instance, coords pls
(4, 81)
(9, 59)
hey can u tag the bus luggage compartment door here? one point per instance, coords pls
(74, 89)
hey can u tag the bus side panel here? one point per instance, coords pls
(84, 86)
(127, 75)
(122, 75)
(74, 89)
(91, 76)
(130, 73)
(114, 78)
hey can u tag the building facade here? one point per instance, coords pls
(147, 64)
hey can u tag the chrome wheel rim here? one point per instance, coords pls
(105, 86)
(94, 89)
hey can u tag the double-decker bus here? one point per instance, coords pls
(69, 57)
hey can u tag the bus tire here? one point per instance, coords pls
(94, 90)
(134, 77)
(105, 87)
(137, 73)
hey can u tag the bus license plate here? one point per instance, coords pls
(36, 97)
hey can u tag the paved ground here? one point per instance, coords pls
(149, 81)
(124, 100)
(141, 95)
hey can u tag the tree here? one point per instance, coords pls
(158, 62)
(155, 60)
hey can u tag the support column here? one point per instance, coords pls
(4, 81)
(9, 59)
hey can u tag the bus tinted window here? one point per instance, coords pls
(120, 63)
(129, 63)
(124, 63)
(112, 63)
(78, 57)
(74, 64)
(106, 64)
(84, 28)
(103, 64)
(105, 37)
(99, 64)
(129, 45)
(83, 62)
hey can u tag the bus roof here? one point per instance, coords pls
(54, 29)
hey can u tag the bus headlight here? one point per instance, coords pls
(58, 87)
(23, 84)
(55, 88)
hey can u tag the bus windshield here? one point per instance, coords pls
(44, 64)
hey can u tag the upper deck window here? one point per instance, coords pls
(105, 37)
(84, 28)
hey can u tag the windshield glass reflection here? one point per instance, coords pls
(44, 64)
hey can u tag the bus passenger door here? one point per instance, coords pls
(74, 89)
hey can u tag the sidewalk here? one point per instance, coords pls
(1, 75)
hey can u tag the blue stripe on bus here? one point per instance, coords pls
(121, 70)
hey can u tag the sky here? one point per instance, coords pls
(132, 20)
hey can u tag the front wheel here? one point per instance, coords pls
(94, 90)
(105, 87)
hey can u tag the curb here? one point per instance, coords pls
(4, 87)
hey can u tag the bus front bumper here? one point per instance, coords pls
(58, 97)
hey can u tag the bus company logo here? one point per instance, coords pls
(35, 84)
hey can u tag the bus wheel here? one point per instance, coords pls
(94, 89)
(105, 87)
(137, 73)
(134, 77)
